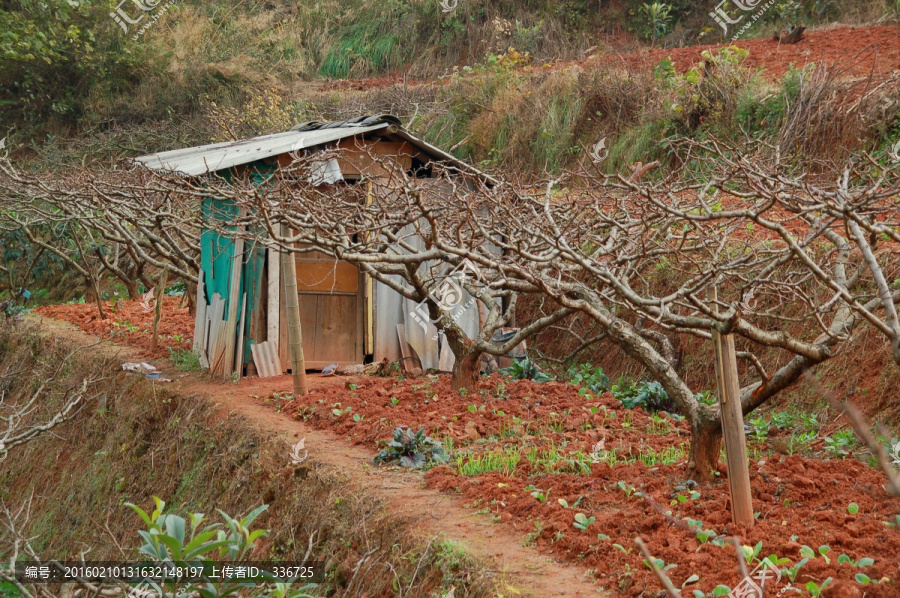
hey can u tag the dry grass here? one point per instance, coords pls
(142, 441)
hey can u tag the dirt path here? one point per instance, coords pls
(521, 570)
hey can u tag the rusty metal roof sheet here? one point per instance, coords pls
(204, 159)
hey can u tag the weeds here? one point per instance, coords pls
(589, 378)
(503, 461)
(553, 461)
(184, 359)
(838, 444)
(659, 425)
(760, 429)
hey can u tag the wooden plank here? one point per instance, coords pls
(239, 359)
(218, 356)
(233, 296)
(370, 315)
(363, 158)
(213, 317)
(327, 277)
(336, 336)
(274, 299)
(216, 325)
(199, 316)
(309, 316)
(410, 361)
(283, 349)
(732, 425)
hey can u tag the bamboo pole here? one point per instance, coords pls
(295, 334)
(732, 424)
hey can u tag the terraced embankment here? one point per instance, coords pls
(379, 532)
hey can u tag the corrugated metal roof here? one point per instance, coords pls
(204, 159)
(194, 161)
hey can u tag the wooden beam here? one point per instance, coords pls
(732, 424)
(233, 295)
(295, 334)
(200, 317)
(274, 296)
(239, 358)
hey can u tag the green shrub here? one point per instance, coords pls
(525, 369)
(649, 395)
(655, 20)
(412, 449)
(589, 377)
(185, 359)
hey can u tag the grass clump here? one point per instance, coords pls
(184, 359)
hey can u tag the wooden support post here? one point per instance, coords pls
(732, 425)
(233, 298)
(200, 316)
(157, 309)
(292, 311)
(273, 297)
(239, 350)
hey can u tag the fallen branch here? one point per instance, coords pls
(660, 574)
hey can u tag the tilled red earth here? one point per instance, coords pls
(851, 51)
(636, 489)
(129, 323)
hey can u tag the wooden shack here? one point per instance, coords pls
(347, 318)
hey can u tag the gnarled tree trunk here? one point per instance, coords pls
(706, 445)
(467, 367)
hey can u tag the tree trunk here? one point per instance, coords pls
(466, 371)
(131, 287)
(95, 288)
(706, 445)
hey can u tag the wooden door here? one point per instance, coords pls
(331, 306)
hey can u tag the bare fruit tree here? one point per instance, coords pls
(799, 260)
(798, 266)
(412, 234)
(117, 223)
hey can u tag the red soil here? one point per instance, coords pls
(800, 501)
(855, 51)
(130, 324)
(859, 51)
